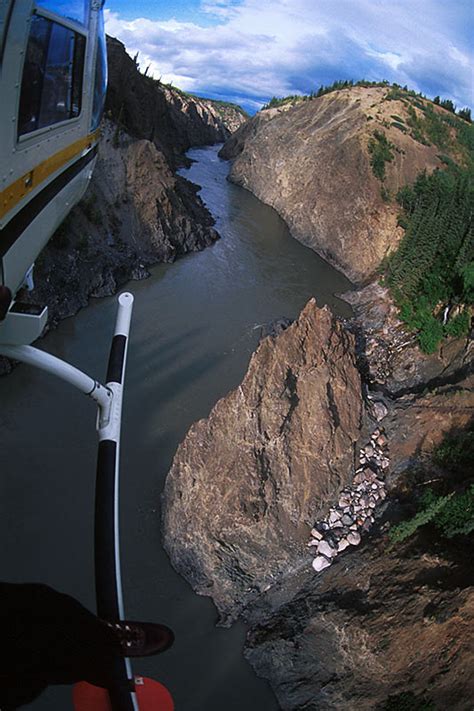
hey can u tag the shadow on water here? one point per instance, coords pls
(195, 325)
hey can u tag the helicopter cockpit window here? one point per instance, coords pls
(52, 75)
(77, 10)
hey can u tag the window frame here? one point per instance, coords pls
(67, 21)
(69, 122)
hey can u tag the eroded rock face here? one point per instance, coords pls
(312, 164)
(418, 423)
(376, 624)
(247, 482)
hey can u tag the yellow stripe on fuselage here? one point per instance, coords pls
(11, 196)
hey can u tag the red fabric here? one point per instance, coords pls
(151, 695)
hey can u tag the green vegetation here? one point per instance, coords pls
(428, 513)
(448, 105)
(401, 127)
(434, 264)
(398, 93)
(385, 194)
(456, 518)
(435, 127)
(380, 150)
(344, 84)
(335, 86)
(430, 126)
(426, 273)
(281, 101)
(451, 513)
(458, 326)
(456, 453)
(465, 114)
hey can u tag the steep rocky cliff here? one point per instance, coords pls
(386, 627)
(173, 120)
(247, 482)
(312, 162)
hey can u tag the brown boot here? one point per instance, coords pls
(141, 639)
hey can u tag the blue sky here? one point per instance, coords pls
(160, 10)
(250, 50)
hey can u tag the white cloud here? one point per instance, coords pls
(261, 48)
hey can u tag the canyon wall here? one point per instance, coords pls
(312, 163)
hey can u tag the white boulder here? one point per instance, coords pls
(320, 562)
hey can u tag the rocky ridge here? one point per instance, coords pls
(274, 454)
(379, 626)
(384, 624)
(171, 119)
(312, 163)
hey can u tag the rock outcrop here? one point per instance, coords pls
(311, 162)
(385, 627)
(247, 482)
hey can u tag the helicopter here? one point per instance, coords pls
(53, 82)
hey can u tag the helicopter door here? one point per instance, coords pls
(53, 78)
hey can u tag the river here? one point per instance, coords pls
(195, 325)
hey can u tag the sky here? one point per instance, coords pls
(247, 51)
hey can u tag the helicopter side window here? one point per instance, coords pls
(77, 10)
(51, 87)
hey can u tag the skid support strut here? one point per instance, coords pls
(107, 546)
